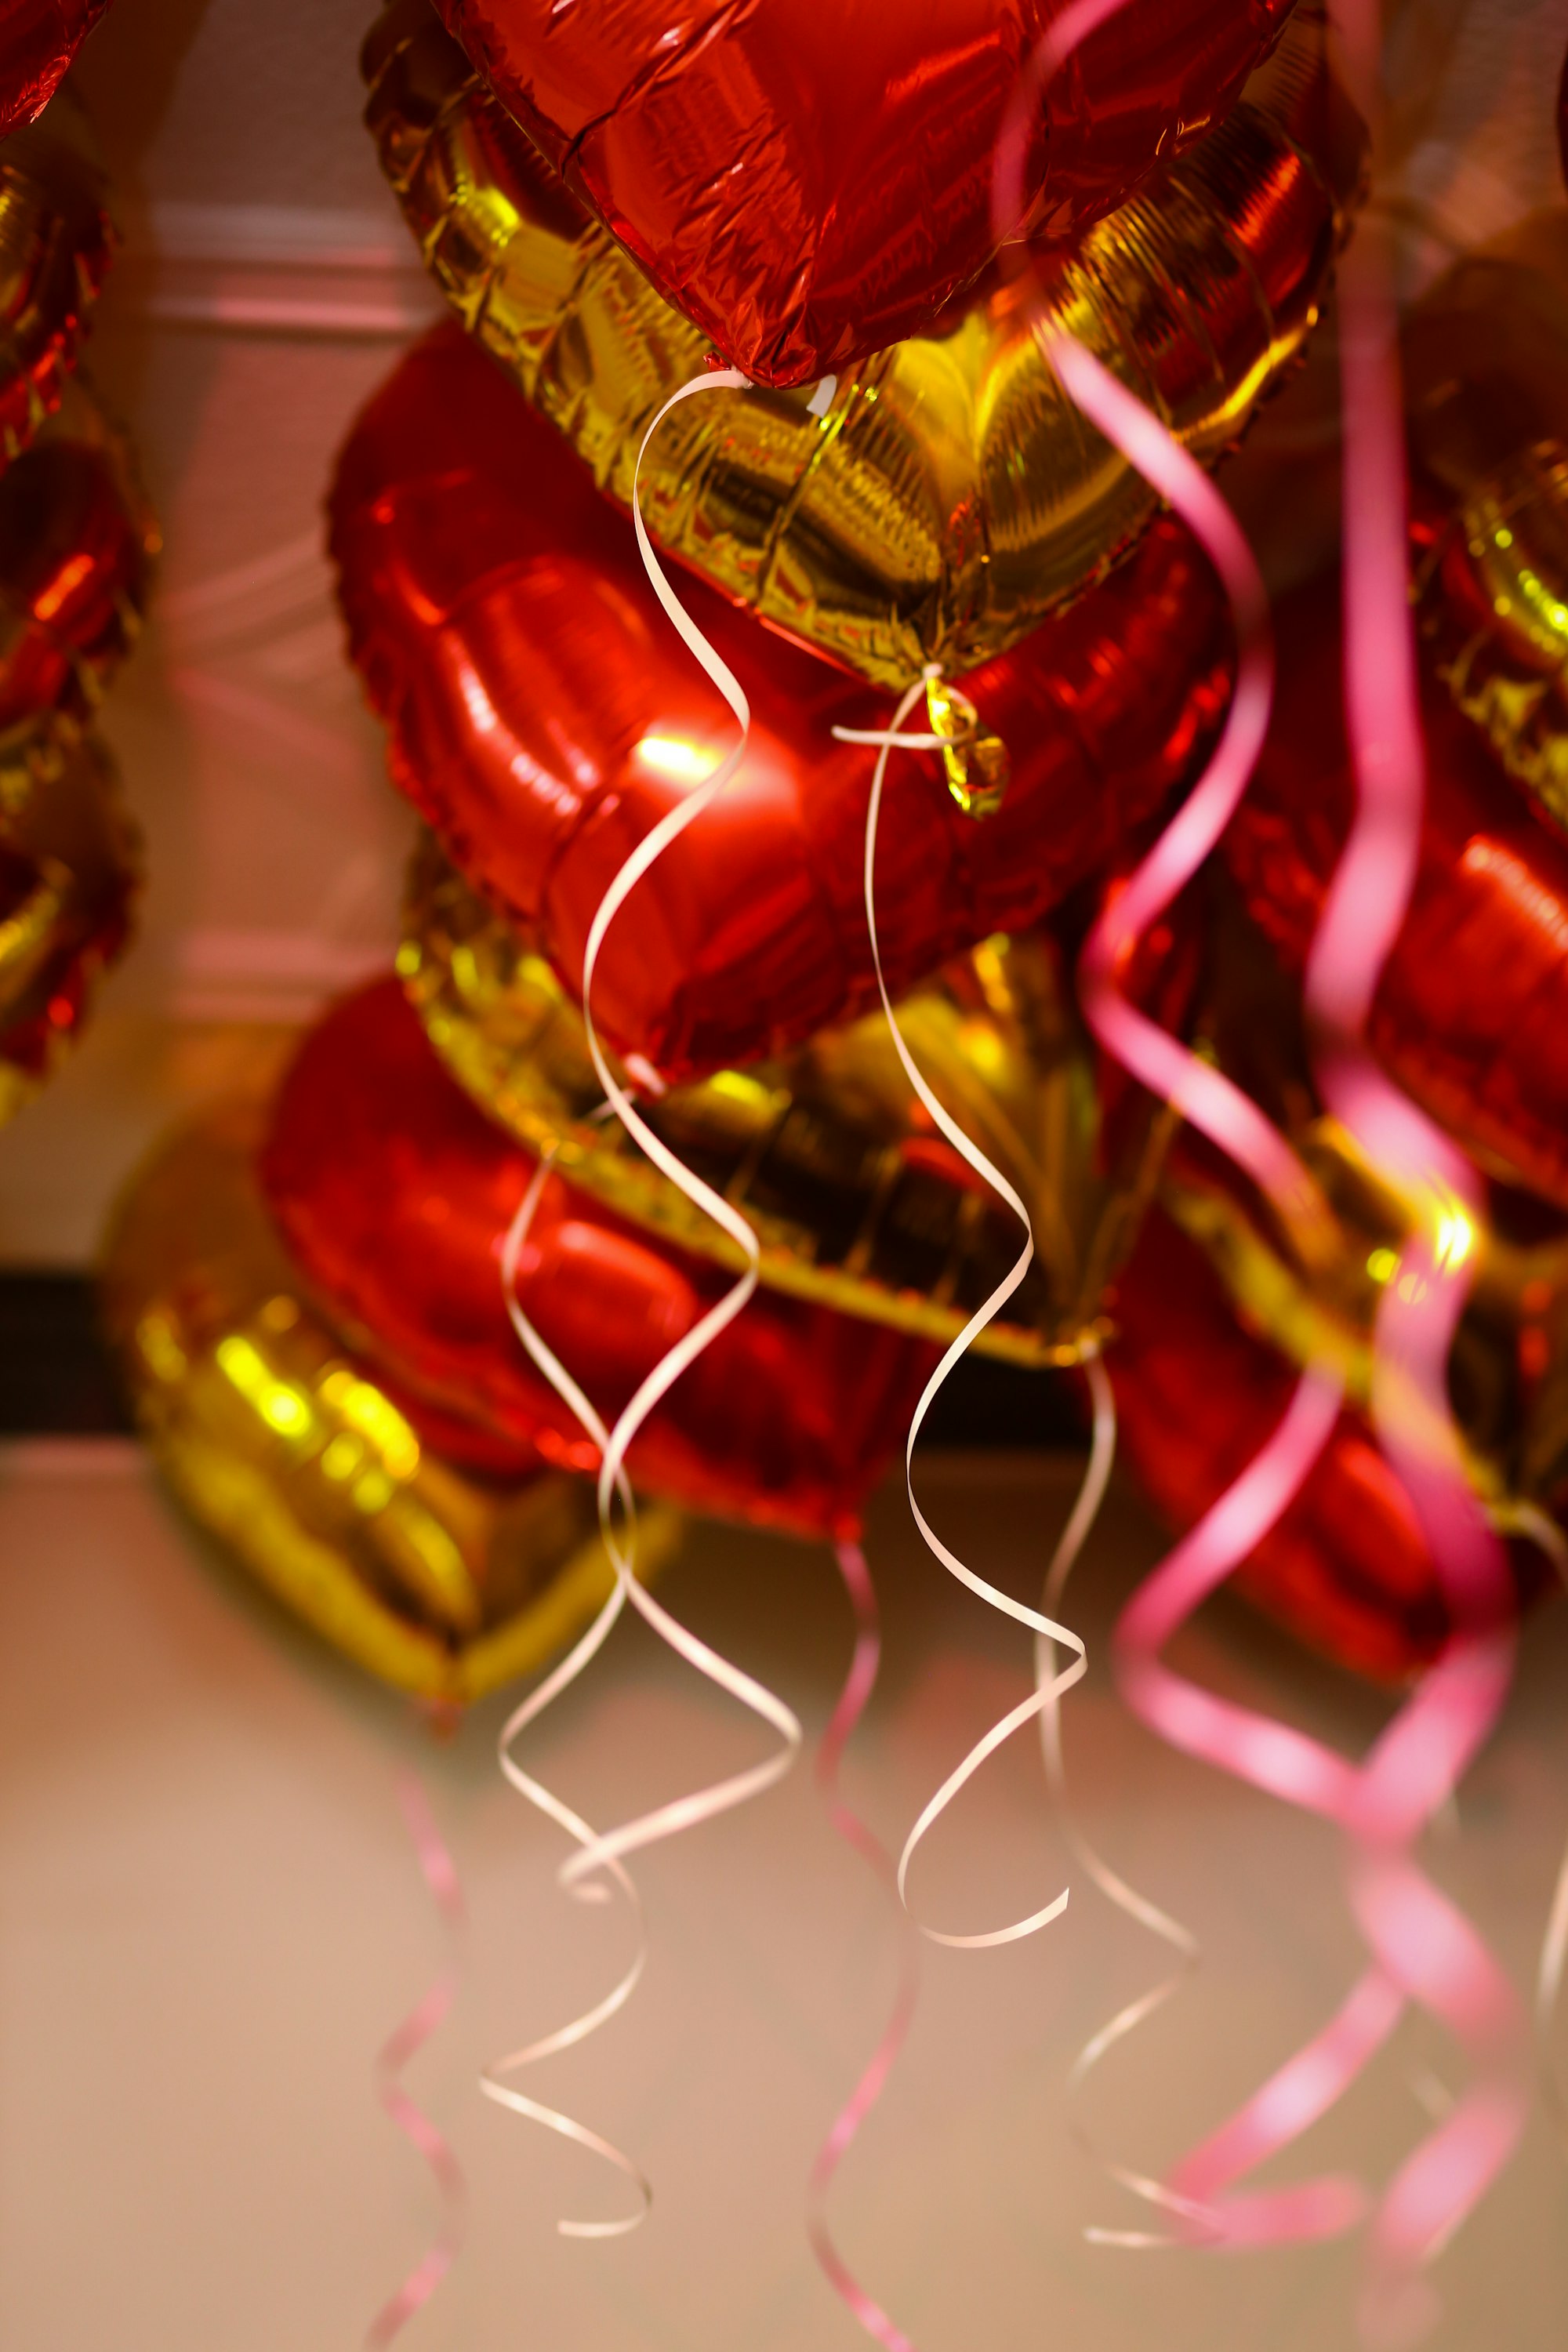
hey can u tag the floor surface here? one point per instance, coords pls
(211, 1915)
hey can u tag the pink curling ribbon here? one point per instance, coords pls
(1309, 2082)
(1413, 1768)
(1427, 1946)
(852, 1701)
(441, 1877)
(599, 1855)
(1422, 1947)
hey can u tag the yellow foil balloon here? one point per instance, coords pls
(855, 1199)
(1486, 368)
(934, 502)
(442, 1582)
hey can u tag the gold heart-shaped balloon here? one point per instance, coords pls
(856, 1201)
(442, 1580)
(934, 502)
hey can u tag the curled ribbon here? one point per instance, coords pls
(1526, 1519)
(1427, 1946)
(1301, 2090)
(1422, 1947)
(423, 2020)
(852, 1700)
(1041, 1696)
(598, 1852)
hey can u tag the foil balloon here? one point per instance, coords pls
(69, 876)
(38, 38)
(945, 495)
(1345, 1566)
(855, 1199)
(544, 717)
(809, 184)
(55, 239)
(77, 541)
(396, 1195)
(1487, 363)
(77, 545)
(365, 1513)
(1215, 1325)
(1471, 1014)
(1507, 1370)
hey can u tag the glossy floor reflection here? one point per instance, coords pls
(210, 1917)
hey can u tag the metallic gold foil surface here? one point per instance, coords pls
(325, 1484)
(935, 503)
(1487, 367)
(857, 1202)
(1493, 611)
(56, 240)
(69, 876)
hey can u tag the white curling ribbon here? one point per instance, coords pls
(1111, 1884)
(493, 2082)
(683, 1812)
(1040, 1698)
(599, 1852)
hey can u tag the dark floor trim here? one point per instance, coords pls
(56, 1379)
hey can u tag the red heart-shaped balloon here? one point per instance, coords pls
(38, 38)
(545, 716)
(809, 183)
(394, 1195)
(1471, 1014)
(1346, 1566)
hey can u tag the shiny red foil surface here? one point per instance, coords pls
(544, 715)
(809, 180)
(38, 38)
(1471, 1016)
(73, 577)
(82, 946)
(394, 1195)
(1346, 1567)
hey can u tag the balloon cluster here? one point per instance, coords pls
(77, 543)
(734, 1033)
(869, 515)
